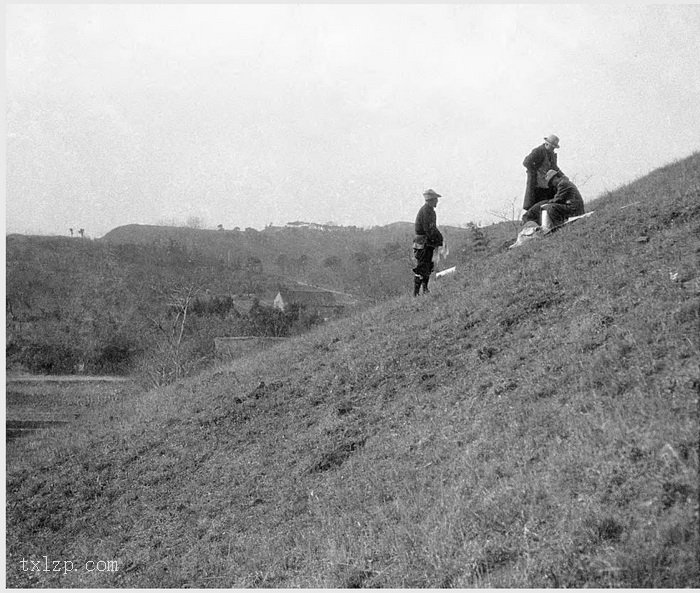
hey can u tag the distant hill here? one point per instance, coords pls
(76, 303)
(317, 243)
(533, 423)
(368, 263)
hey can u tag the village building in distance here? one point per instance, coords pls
(325, 303)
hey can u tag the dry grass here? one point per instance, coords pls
(534, 423)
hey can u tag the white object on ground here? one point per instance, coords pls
(446, 272)
(529, 231)
(532, 231)
(568, 220)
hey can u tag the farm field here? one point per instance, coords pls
(41, 408)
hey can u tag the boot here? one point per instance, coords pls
(425, 286)
(417, 280)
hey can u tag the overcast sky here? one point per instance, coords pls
(245, 115)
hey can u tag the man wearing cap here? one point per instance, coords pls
(567, 202)
(427, 238)
(538, 162)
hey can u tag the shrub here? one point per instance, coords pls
(50, 358)
(219, 306)
(115, 358)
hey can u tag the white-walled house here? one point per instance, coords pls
(325, 303)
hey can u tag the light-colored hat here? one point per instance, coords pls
(553, 140)
(550, 174)
(429, 194)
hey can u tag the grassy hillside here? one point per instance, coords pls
(532, 423)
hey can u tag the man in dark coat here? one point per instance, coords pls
(567, 202)
(538, 162)
(427, 238)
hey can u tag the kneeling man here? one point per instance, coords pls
(566, 203)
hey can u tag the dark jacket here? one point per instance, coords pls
(532, 162)
(426, 226)
(568, 195)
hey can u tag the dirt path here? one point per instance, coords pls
(65, 379)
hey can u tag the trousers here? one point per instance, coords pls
(424, 257)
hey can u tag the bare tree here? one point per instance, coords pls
(512, 217)
(194, 222)
(254, 265)
(303, 262)
(282, 262)
(71, 232)
(170, 363)
(584, 182)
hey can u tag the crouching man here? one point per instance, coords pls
(566, 203)
(427, 238)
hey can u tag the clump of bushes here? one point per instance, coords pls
(45, 358)
(53, 357)
(219, 306)
(115, 358)
(158, 348)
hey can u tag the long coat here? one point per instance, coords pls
(532, 162)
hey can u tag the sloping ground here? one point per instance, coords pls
(533, 423)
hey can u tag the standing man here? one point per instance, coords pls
(538, 162)
(427, 238)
